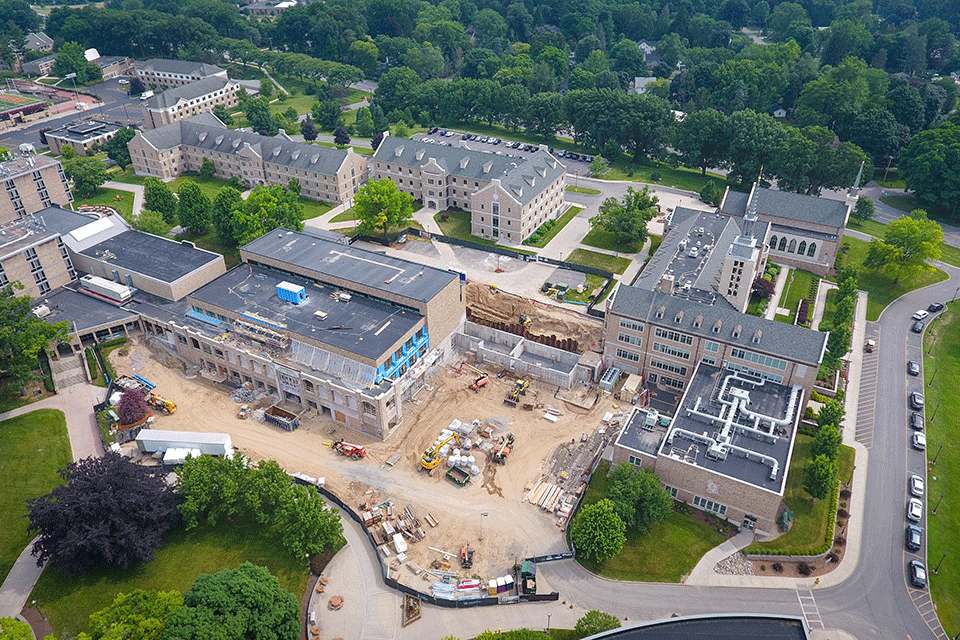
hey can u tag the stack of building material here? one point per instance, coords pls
(442, 590)
(409, 525)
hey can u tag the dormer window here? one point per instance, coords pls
(697, 322)
(661, 311)
(717, 326)
(737, 330)
(679, 317)
(757, 335)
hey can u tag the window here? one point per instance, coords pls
(671, 351)
(711, 346)
(634, 460)
(666, 366)
(793, 246)
(628, 355)
(709, 505)
(670, 382)
(783, 244)
(682, 338)
(635, 340)
(673, 491)
(756, 358)
(812, 251)
(709, 360)
(754, 372)
(802, 249)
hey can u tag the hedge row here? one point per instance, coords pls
(541, 231)
(828, 535)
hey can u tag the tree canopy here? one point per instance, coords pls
(116, 147)
(193, 208)
(908, 243)
(638, 497)
(22, 336)
(597, 532)
(931, 166)
(594, 622)
(109, 511)
(139, 615)
(265, 209)
(820, 477)
(157, 196)
(70, 59)
(86, 173)
(379, 204)
(627, 218)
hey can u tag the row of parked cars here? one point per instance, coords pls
(913, 536)
(510, 144)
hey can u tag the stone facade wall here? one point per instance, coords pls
(55, 269)
(22, 193)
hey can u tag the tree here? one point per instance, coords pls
(703, 139)
(108, 512)
(594, 622)
(820, 477)
(12, 629)
(401, 130)
(22, 336)
(221, 212)
(266, 88)
(207, 168)
(194, 208)
(137, 87)
(827, 442)
(627, 219)
(116, 147)
(306, 525)
(380, 204)
(133, 407)
(831, 414)
(259, 116)
(597, 166)
(70, 59)
(157, 196)
(763, 288)
(376, 139)
(340, 136)
(327, 114)
(811, 161)
(308, 130)
(364, 122)
(86, 173)
(246, 602)
(931, 166)
(139, 615)
(908, 243)
(223, 115)
(863, 210)
(265, 209)
(638, 497)
(756, 140)
(597, 532)
(149, 222)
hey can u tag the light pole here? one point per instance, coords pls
(934, 376)
(938, 454)
(934, 413)
(940, 563)
(548, 623)
(482, 516)
(938, 504)
(73, 79)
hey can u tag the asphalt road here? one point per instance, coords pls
(116, 106)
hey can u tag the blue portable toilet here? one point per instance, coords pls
(291, 292)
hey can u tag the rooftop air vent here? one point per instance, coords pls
(419, 154)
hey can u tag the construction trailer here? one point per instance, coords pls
(211, 444)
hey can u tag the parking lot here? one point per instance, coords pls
(509, 148)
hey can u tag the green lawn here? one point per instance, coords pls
(314, 208)
(670, 550)
(33, 447)
(796, 289)
(907, 204)
(108, 197)
(364, 151)
(881, 287)
(349, 215)
(810, 521)
(69, 601)
(585, 190)
(948, 253)
(593, 282)
(602, 239)
(12, 398)
(679, 177)
(209, 186)
(599, 260)
(458, 226)
(830, 305)
(561, 222)
(942, 371)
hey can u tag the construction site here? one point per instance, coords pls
(483, 458)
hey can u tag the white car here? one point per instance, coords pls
(921, 314)
(123, 81)
(916, 486)
(919, 441)
(914, 510)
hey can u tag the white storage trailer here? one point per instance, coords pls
(212, 444)
(106, 288)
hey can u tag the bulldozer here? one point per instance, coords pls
(164, 405)
(479, 382)
(431, 458)
(503, 448)
(466, 556)
(519, 389)
(355, 451)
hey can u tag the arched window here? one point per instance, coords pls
(802, 249)
(812, 251)
(793, 246)
(783, 243)
(773, 242)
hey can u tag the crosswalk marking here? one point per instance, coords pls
(809, 608)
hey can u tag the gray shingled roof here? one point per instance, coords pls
(778, 339)
(792, 206)
(524, 178)
(171, 96)
(166, 65)
(203, 131)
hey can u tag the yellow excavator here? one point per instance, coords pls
(431, 458)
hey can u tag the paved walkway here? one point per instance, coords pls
(774, 302)
(701, 574)
(135, 189)
(823, 288)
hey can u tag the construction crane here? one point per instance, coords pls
(503, 448)
(431, 458)
(519, 389)
(164, 405)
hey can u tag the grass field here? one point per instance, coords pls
(12, 101)
(210, 242)
(209, 186)
(948, 253)
(670, 550)
(598, 260)
(458, 226)
(907, 204)
(33, 447)
(679, 177)
(562, 221)
(585, 190)
(108, 197)
(68, 601)
(797, 288)
(941, 371)
(602, 239)
(346, 216)
(881, 287)
(810, 521)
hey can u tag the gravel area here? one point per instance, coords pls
(735, 565)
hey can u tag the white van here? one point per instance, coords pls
(146, 95)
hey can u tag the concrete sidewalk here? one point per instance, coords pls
(135, 189)
(823, 288)
(702, 573)
(774, 302)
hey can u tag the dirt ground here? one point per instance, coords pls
(492, 502)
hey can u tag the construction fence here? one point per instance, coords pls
(462, 603)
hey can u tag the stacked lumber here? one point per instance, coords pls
(409, 525)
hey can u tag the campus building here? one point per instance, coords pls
(185, 101)
(163, 72)
(31, 183)
(324, 173)
(508, 197)
(82, 135)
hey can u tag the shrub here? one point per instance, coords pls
(845, 494)
(833, 557)
(133, 407)
(839, 541)
(804, 569)
(763, 567)
(444, 216)
(842, 513)
(655, 176)
(777, 567)
(803, 312)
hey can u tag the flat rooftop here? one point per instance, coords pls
(334, 260)
(20, 164)
(732, 626)
(81, 131)
(363, 326)
(152, 256)
(710, 392)
(82, 311)
(640, 435)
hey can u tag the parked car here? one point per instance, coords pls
(918, 574)
(916, 400)
(921, 314)
(935, 307)
(913, 537)
(919, 441)
(123, 81)
(916, 421)
(917, 327)
(913, 367)
(914, 510)
(915, 485)
(432, 130)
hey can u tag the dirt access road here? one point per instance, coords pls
(512, 529)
